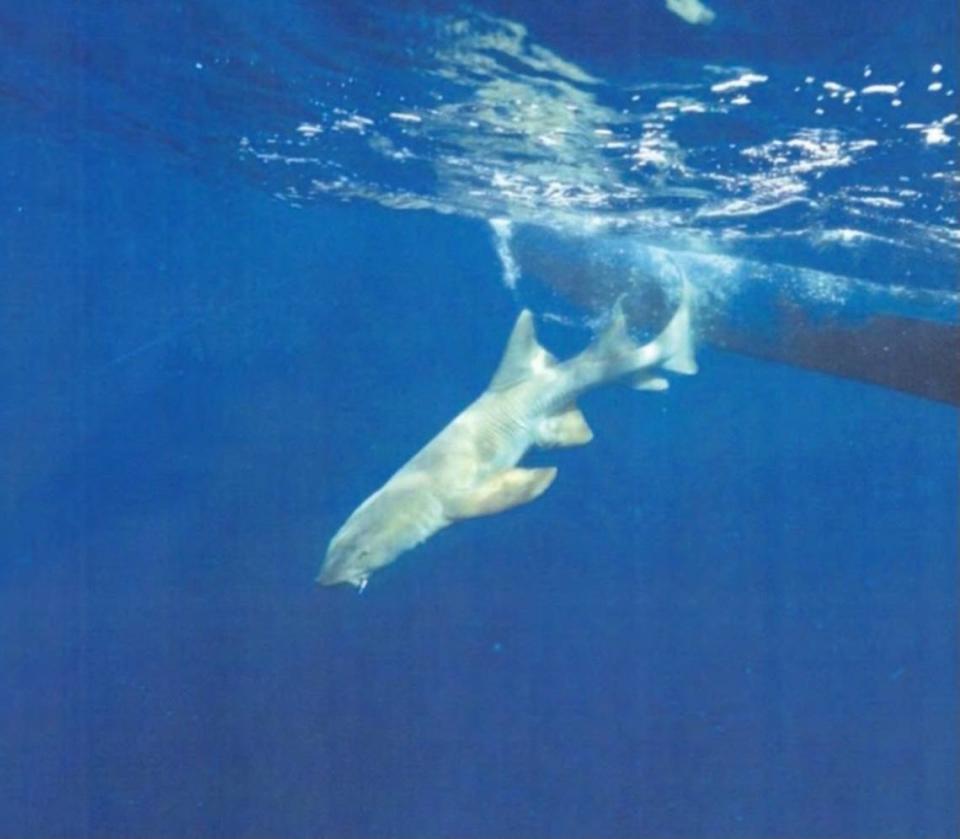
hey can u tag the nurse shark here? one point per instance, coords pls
(470, 468)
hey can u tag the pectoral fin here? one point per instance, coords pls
(568, 428)
(504, 490)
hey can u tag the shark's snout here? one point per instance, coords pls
(333, 571)
(341, 566)
(326, 577)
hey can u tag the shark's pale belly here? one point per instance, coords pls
(491, 435)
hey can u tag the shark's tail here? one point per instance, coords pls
(671, 350)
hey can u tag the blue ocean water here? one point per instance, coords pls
(248, 271)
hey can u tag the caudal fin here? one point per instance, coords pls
(672, 350)
(674, 345)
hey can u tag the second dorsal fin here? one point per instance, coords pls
(523, 357)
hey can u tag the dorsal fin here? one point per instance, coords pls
(523, 356)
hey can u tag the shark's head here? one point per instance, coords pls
(345, 563)
(353, 554)
(383, 527)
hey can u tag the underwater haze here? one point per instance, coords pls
(255, 254)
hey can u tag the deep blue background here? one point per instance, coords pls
(733, 615)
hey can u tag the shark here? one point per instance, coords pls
(471, 469)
